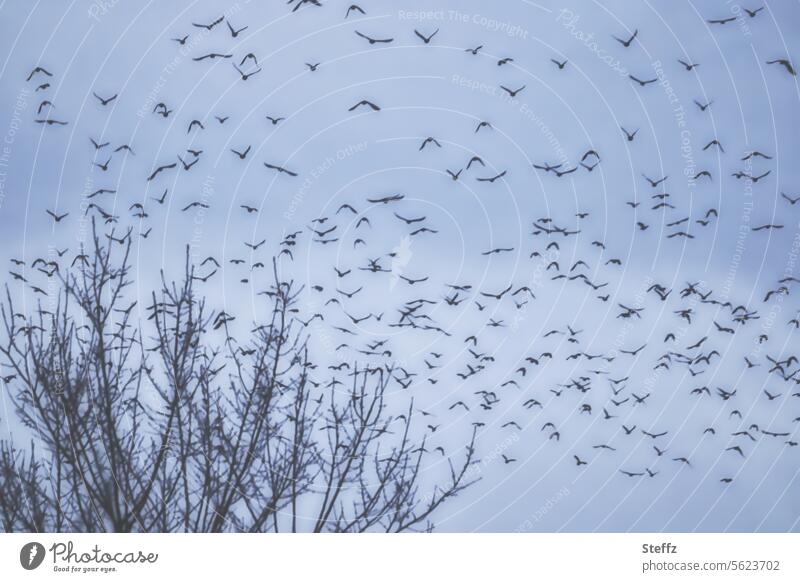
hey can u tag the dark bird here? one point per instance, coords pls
(627, 43)
(364, 102)
(493, 178)
(426, 39)
(756, 154)
(354, 8)
(104, 101)
(98, 146)
(163, 197)
(789, 199)
(454, 175)
(701, 106)
(280, 169)
(235, 32)
(57, 217)
(512, 93)
(195, 205)
(38, 70)
(160, 169)
(374, 40)
(385, 199)
(244, 75)
(654, 183)
(429, 140)
(785, 64)
(641, 82)
(188, 166)
(211, 25)
(409, 220)
(195, 123)
(242, 155)
(212, 56)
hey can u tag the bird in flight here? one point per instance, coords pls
(654, 183)
(426, 39)
(386, 199)
(627, 43)
(785, 64)
(160, 169)
(280, 169)
(374, 40)
(354, 8)
(512, 93)
(104, 101)
(246, 76)
(688, 66)
(213, 56)
(492, 178)
(365, 103)
(235, 32)
(642, 83)
(242, 155)
(57, 217)
(37, 71)
(722, 20)
(210, 25)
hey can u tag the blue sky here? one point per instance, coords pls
(440, 90)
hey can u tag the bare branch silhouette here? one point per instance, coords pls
(157, 418)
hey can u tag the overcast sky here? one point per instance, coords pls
(441, 90)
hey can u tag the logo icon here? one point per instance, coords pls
(31, 555)
(401, 256)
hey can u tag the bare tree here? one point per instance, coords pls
(157, 418)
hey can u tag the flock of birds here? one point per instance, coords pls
(602, 386)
